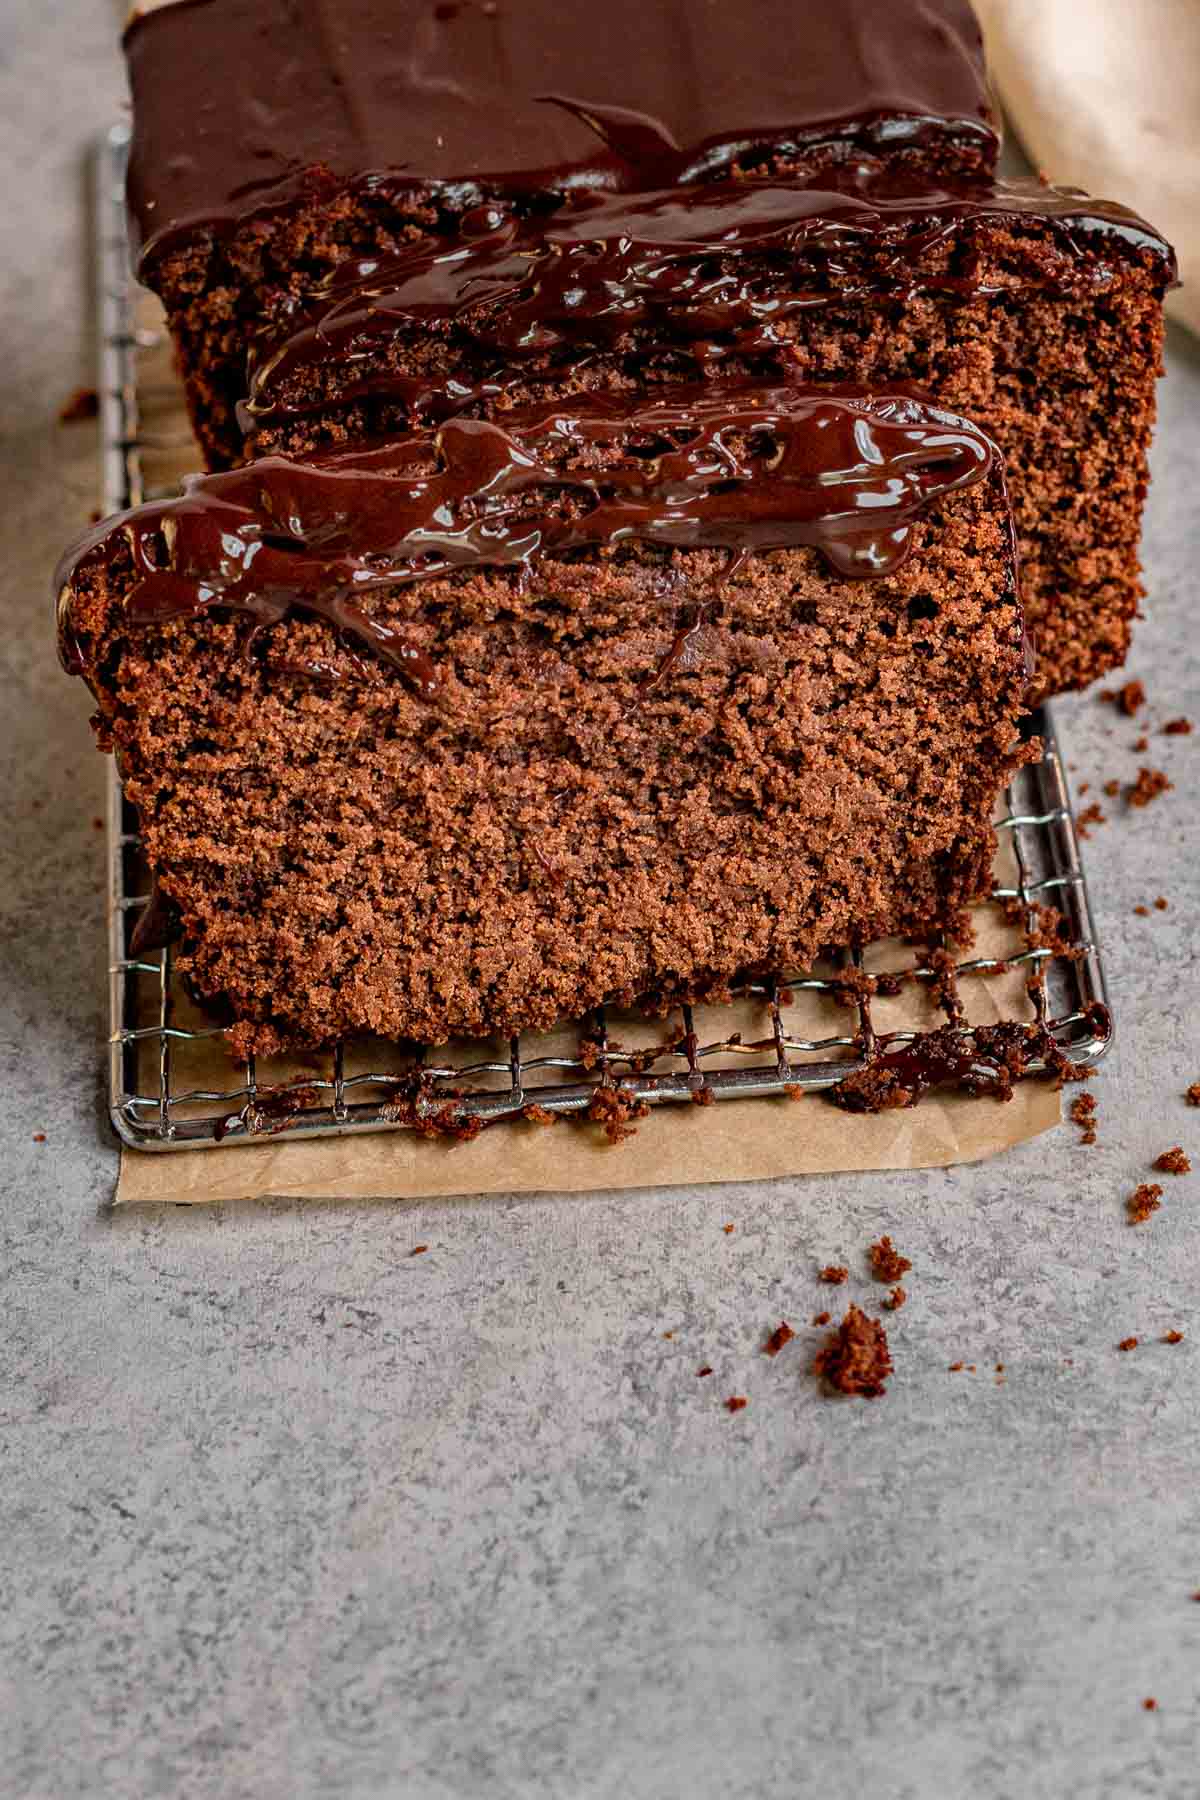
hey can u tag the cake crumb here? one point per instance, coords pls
(615, 1111)
(1177, 728)
(1144, 1200)
(1129, 1343)
(1091, 815)
(821, 1318)
(956, 1367)
(706, 1370)
(735, 1403)
(419, 1250)
(1173, 1162)
(1127, 699)
(1192, 1096)
(834, 1274)
(856, 1359)
(668, 1335)
(1148, 786)
(1161, 904)
(39, 1137)
(1083, 1114)
(896, 1299)
(538, 1115)
(1143, 912)
(727, 1229)
(1142, 743)
(782, 1334)
(83, 404)
(793, 1090)
(887, 1264)
(1172, 1337)
(1150, 1704)
(1112, 789)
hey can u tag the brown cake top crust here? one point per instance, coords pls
(237, 101)
(722, 268)
(732, 467)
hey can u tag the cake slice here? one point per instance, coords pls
(463, 733)
(274, 138)
(1034, 310)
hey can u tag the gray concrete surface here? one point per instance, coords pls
(285, 1513)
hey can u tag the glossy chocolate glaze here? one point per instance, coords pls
(733, 467)
(236, 102)
(718, 269)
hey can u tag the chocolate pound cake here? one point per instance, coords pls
(461, 733)
(273, 139)
(1034, 310)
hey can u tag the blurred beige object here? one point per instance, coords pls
(1105, 95)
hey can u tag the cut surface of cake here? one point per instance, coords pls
(274, 138)
(466, 732)
(1034, 310)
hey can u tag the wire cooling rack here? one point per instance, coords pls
(172, 1087)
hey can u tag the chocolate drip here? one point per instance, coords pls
(238, 102)
(731, 467)
(717, 270)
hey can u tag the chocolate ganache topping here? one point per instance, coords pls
(237, 102)
(718, 269)
(733, 467)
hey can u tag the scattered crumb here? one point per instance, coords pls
(39, 1137)
(1143, 912)
(1150, 1704)
(538, 1115)
(793, 1090)
(1083, 1114)
(1091, 815)
(1130, 697)
(887, 1264)
(419, 1250)
(896, 1299)
(615, 1111)
(1162, 903)
(1129, 1343)
(1193, 1094)
(999, 1368)
(1112, 789)
(856, 1359)
(1143, 1201)
(728, 1228)
(1084, 787)
(1173, 1162)
(706, 1370)
(1172, 1337)
(703, 1096)
(821, 1318)
(668, 1335)
(970, 1368)
(782, 1334)
(955, 1368)
(97, 824)
(835, 1274)
(1142, 743)
(84, 403)
(1148, 786)
(735, 1403)
(1177, 728)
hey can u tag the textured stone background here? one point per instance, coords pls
(285, 1513)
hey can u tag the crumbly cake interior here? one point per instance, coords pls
(346, 855)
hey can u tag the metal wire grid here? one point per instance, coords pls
(150, 1111)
